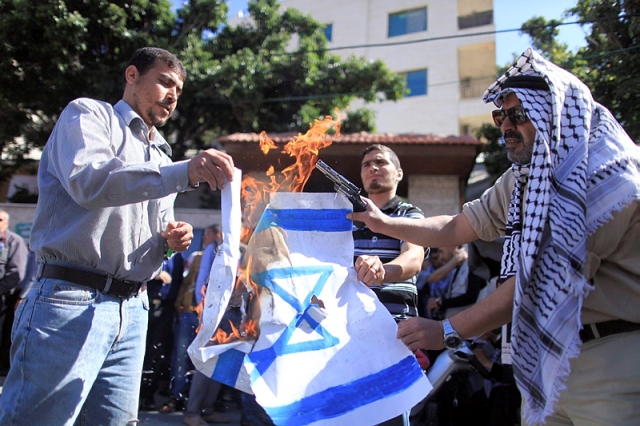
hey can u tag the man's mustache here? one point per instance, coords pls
(512, 134)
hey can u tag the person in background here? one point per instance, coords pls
(186, 325)
(203, 392)
(104, 222)
(569, 209)
(444, 268)
(211, 241)
(13, 264)
(387, 265)
(162, 291)
(462, 285)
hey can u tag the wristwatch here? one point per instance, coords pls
(452, 339)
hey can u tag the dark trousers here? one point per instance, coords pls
(7, 312)
(159, 346)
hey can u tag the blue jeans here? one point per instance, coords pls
(76, 357)
(184, 332)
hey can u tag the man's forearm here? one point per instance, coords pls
(436, 231)
(406, 265)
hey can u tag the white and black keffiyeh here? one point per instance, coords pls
(583, 167)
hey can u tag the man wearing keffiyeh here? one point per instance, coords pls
(569, 209)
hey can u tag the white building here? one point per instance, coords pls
(445, 48)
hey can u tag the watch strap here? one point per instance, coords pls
(447, 327)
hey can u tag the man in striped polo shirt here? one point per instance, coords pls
(387, 265)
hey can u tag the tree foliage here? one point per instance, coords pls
(495, 156)
(248, 77)
(608, 62)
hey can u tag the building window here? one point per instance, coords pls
(328, 31)
(416, 82)
(410, 21)
(473, 88)
(477, 19)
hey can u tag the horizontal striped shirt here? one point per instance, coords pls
(400, 298)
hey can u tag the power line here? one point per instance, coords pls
(365, 93)
(454, 36)
(371, 92)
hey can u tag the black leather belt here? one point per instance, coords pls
(607, 328)
(102, 283)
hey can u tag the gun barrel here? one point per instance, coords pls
(343, 186)
(335, 177)
(328, 171)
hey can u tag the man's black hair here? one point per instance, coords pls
(145, 58)
(382, 148)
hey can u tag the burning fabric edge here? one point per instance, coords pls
(326, 351)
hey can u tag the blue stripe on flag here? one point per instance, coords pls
(228, 367)
(339, 400)
(323, 220)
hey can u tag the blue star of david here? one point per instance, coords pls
(263, 359)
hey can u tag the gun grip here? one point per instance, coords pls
(358, 204)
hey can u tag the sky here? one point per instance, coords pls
(508, 15)
(511, 14)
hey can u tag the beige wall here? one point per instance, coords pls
(435, 194)
(476, 69)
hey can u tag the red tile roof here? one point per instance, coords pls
(361, 138)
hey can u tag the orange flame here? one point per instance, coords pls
(255, 195)
(221, 337)
(200, 307)
(304, 148)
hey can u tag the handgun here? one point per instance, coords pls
(343, 186)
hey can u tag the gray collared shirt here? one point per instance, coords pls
(106, 192)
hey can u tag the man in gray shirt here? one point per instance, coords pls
(13, 262)
(103, 223)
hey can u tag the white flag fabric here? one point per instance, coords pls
(327, 351)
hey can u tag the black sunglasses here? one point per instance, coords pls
(516, 115)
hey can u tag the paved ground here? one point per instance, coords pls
(155, 418)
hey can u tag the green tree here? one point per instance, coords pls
(240, 78)
(608, 62)
(53, 51)
(245, 78)
(543, 35)
(495, 155)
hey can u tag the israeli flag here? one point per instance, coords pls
(327, 351)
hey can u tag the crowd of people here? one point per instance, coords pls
(90, 343)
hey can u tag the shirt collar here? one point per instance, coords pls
(135, 122)
(391, 204)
